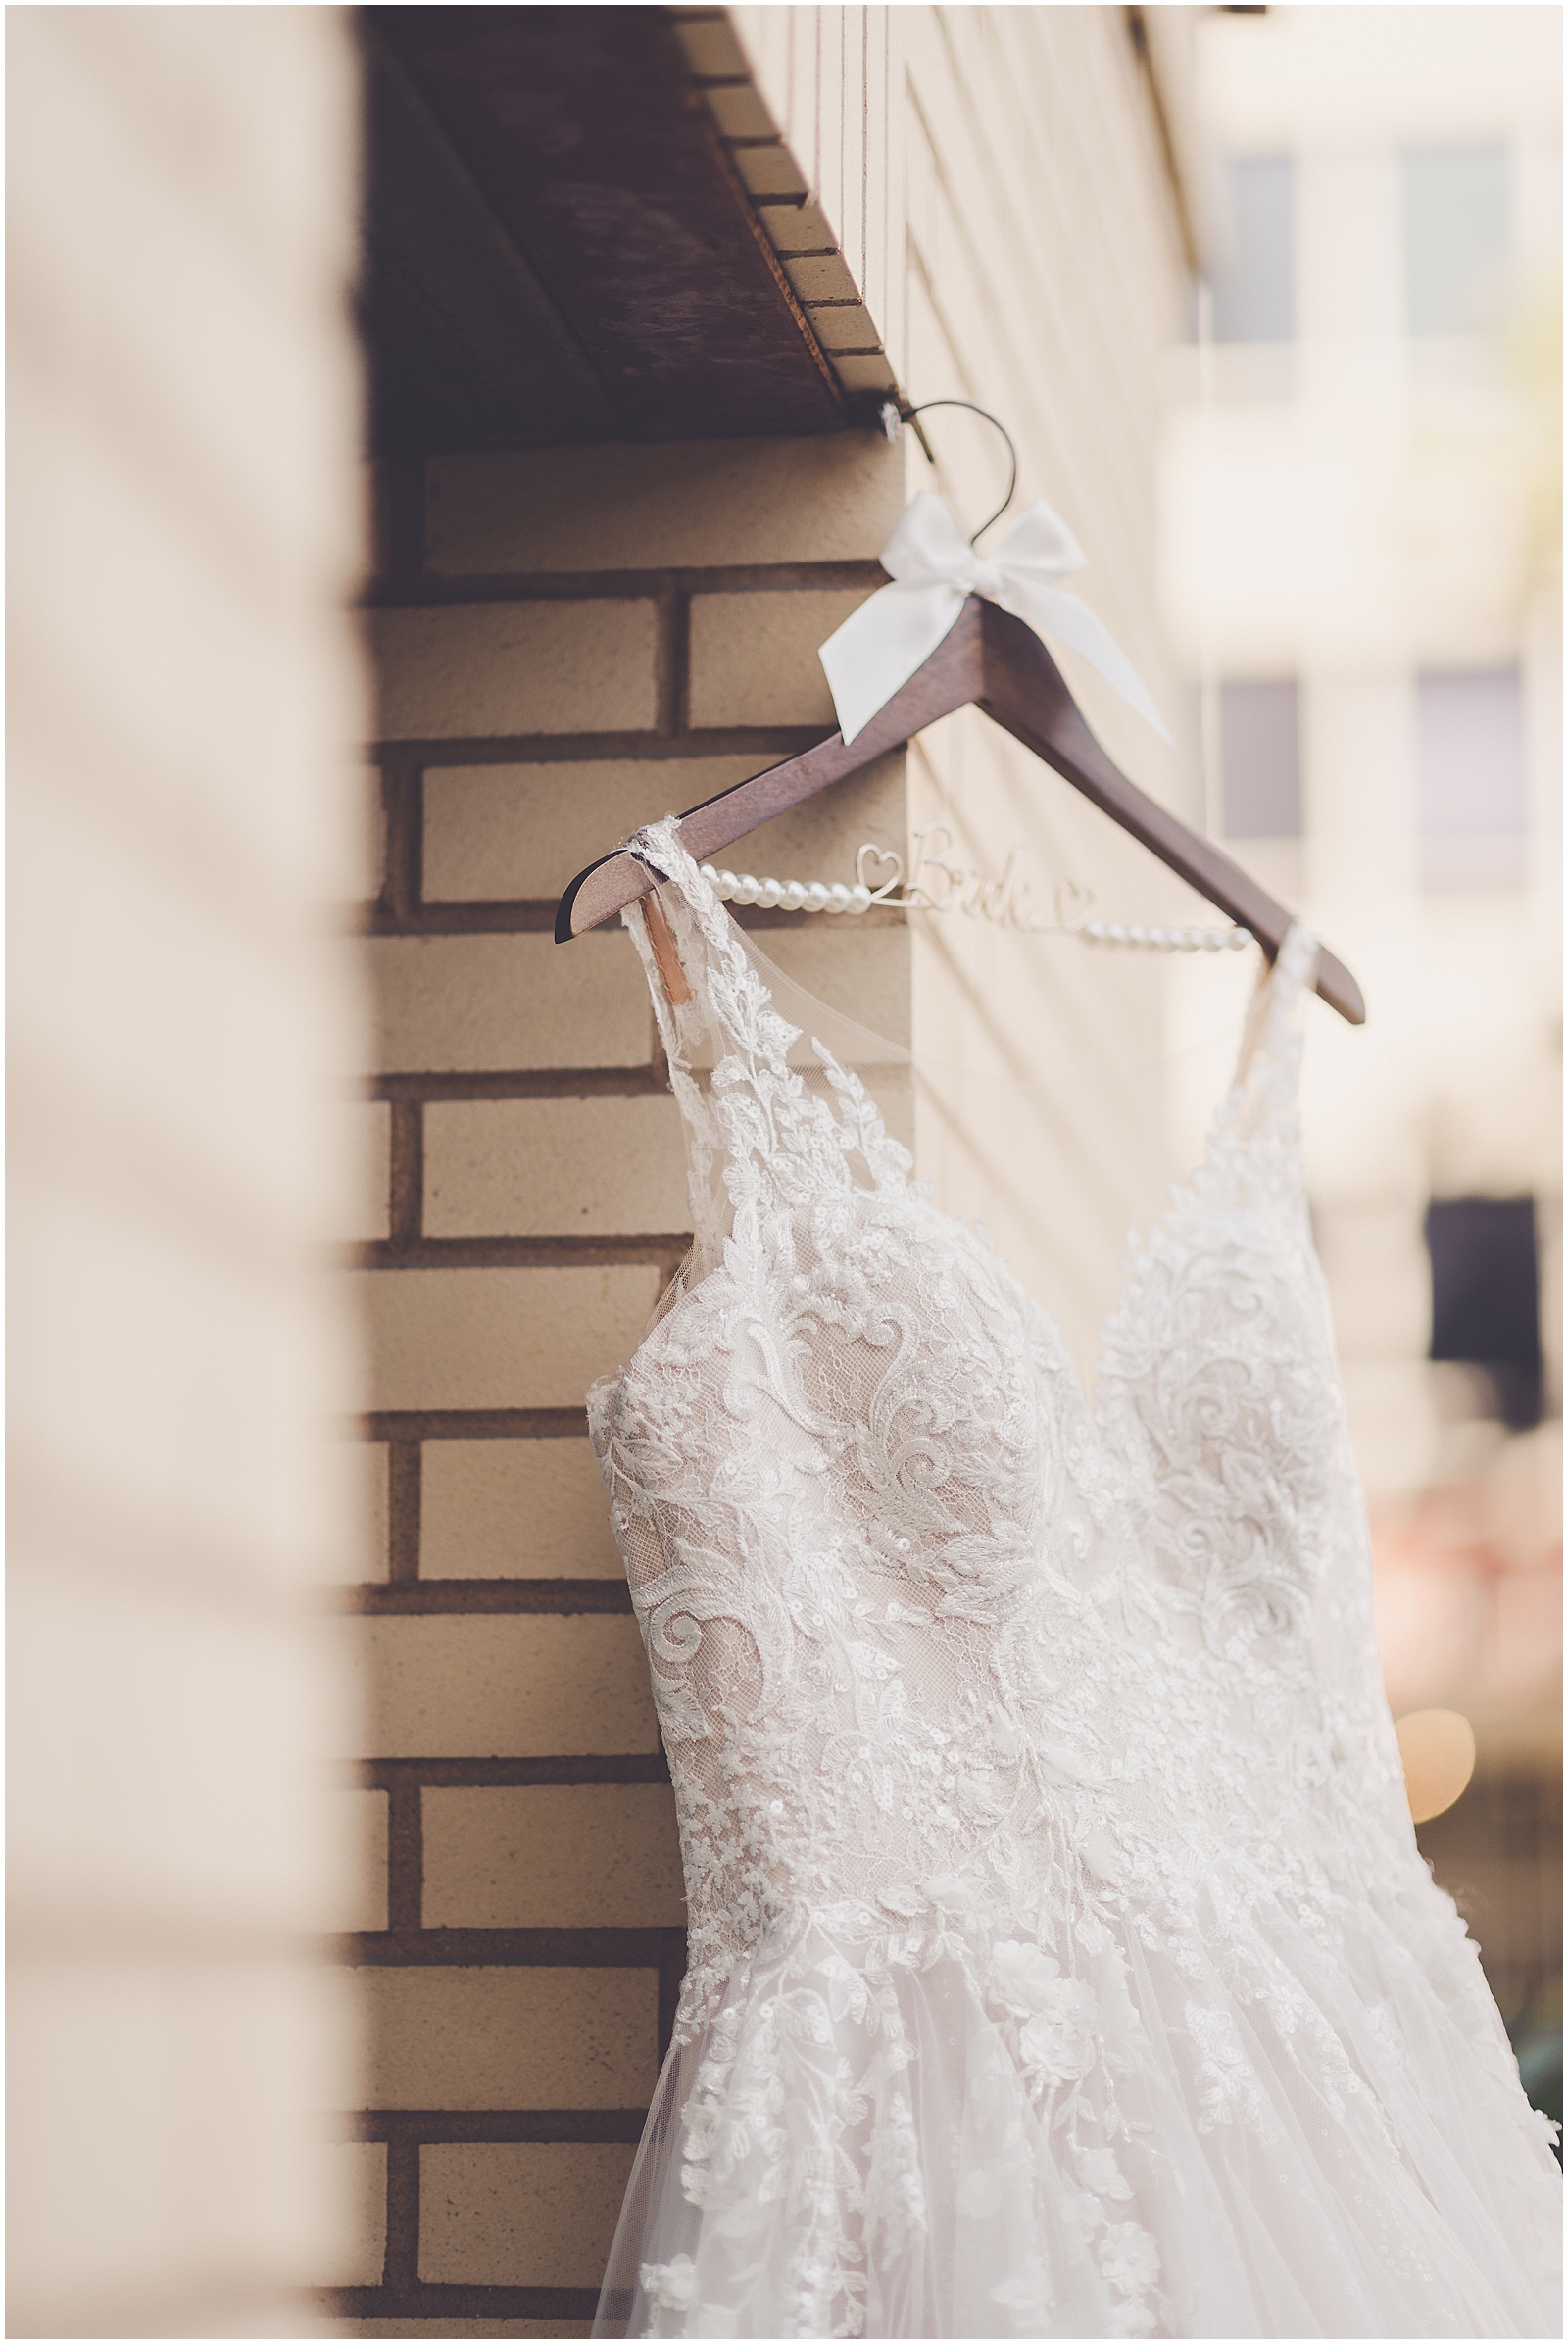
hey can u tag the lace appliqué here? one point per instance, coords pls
(1025, 1747)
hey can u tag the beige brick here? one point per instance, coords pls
(768, 169)
(500, 832)
(823, 276)
(359, 1899)
(515, 1509)
(510, 2038)
(570, 1167)
(355, 2172)
(689, 503)
(370, 1130)
(754, 657)
(500, 1339)
(799, 227)
(487, 1003)
(513, 667)
(516, 1686)
(519, 2214)
(841, 328)
(588, 1855)
(865, 374)
(710, 46)
(740, 113)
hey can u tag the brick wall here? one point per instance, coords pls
(567, 644)
(184, 538)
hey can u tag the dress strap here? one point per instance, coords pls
(768, 1124)
(730, 1011)
(658, 845)
(724, 1016)
(1268, 1065)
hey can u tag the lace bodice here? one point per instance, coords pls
(963, 1669)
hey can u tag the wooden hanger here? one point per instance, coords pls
(993, 662)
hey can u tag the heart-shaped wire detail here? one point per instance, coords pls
(867, 859)
(1074, 904)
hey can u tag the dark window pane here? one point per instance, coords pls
(1485, 1295)
(1254, 290)
(1455, 237)
(1471, 778)
(1260, 759)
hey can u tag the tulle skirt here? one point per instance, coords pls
(1329, 2140)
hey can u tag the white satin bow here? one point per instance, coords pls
(933, 570)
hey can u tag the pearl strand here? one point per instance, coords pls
(1166, 939)
(785, 895)
(800, 894)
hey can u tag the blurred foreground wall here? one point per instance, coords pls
(184, 428)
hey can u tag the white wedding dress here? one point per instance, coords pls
(1062, 1961)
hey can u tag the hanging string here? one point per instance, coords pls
(908, 415)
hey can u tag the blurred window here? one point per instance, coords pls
(1471, 779)
(1455, 237)
(1254, 290)
(1260, 757)
(1485, 1295)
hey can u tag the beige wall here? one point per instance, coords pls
(184, 532)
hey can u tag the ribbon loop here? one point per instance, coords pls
(933, 570)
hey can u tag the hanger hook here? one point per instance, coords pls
(906, 414)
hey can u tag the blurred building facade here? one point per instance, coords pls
(1360, 551)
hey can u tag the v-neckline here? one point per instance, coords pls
(1265, 1016)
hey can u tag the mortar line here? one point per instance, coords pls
(401, 2268)
(405, 1498)
(405, 1876)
